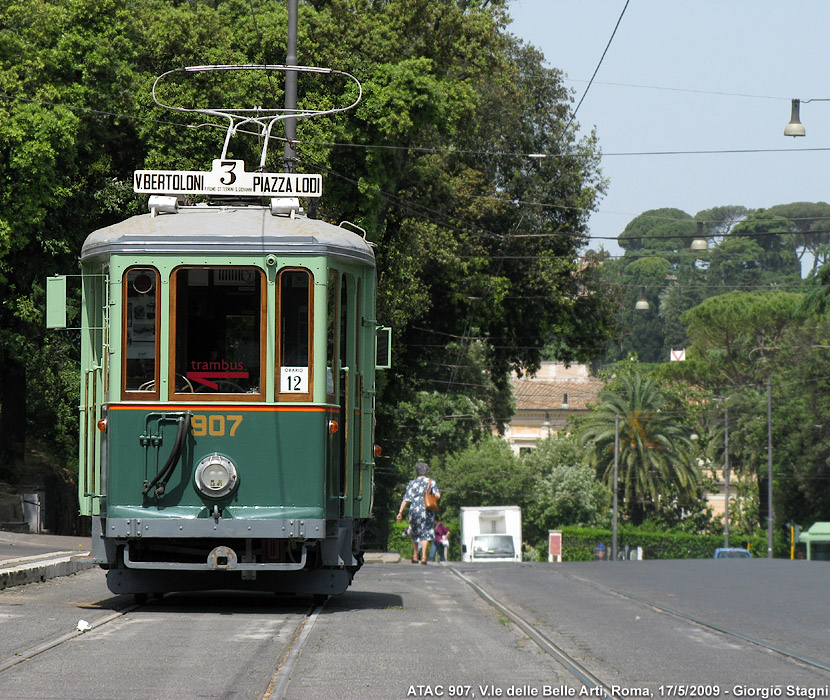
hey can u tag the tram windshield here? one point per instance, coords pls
(218, 330)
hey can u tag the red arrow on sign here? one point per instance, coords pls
(205, 377)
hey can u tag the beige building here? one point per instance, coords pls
(546, 401)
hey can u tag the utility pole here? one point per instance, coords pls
(770, 513)
(290, 155)
(616, 473)
(726, 477)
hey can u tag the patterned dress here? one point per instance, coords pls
(421, 520)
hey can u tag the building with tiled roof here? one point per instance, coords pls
(546, 401)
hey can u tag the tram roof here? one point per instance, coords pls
(226, 230)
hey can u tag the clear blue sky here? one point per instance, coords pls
(716, 75)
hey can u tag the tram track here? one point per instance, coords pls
(815, 663)
(587, 677)
(22, 656)
(596, 686)
(276, 686)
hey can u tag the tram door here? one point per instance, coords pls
(94, 339)
(349, 392)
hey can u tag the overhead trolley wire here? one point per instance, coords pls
(596, 70)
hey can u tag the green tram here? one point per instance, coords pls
(227, 395)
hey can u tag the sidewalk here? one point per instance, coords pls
(26, 558)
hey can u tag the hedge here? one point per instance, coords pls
(578, 543)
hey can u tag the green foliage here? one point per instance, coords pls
(655, 469)
(473, 282)
(565, 490)
(809, 222)
(641, 330)
(485, 474)
(657, 229)
(578, 543)
(728, 329)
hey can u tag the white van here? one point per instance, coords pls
(491, 534)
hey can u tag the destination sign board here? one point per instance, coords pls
(228, 177)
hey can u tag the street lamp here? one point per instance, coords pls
(642, 302)
(795, 127)
(726, 472)
(699, 243)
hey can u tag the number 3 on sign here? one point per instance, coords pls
(294, 380)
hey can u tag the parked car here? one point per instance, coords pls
(732, 553)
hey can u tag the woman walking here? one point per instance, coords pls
(421, 520)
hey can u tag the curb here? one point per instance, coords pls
(42, 567)
(381, 557)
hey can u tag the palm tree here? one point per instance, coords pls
(655, 454)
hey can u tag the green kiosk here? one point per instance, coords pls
(818, 541)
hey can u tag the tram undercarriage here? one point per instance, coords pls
(306, 566)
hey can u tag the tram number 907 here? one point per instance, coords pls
(215, 425)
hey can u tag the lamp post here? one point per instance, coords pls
(290, 152)
(726, 477)
(770, 512)
(616, 476)
(726, 472)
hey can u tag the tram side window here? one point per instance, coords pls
(295, 323)
(344, 321)
(331, 333)
(140, 330)
(218, 330)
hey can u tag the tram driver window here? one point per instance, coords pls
(140, 331)
(218, 330)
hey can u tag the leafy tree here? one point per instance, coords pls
(728, 329)
(484, 474)
(54, 157)
(658, 230)
(719, 221)
(810, 223)
(735, 264)
(740, 341)
(640, 330)
(475, 277)
(771, 233)
(565, 491)
(655, 467)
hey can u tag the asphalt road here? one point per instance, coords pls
(783, 603)
(406, 631)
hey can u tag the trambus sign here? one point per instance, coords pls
(227, 177)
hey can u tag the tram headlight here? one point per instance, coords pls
(215, 476)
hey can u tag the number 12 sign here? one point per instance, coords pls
(294, 380)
